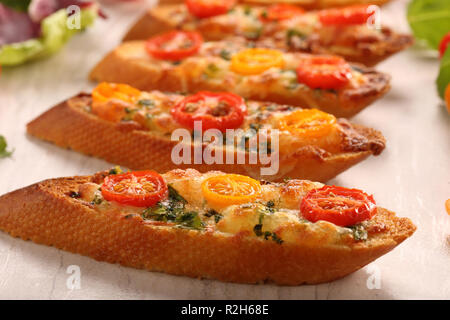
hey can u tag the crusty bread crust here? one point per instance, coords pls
(307, 4)
(121, 67)
(69, 127)
(46, 214)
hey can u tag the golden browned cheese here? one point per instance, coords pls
(303, 33)
(71, 125)
(48, 213)
(209, 70)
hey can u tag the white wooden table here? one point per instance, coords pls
(411, 177)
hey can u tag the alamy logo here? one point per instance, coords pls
(74, 280)
(251, 147)
(374, 20)
(73, 17)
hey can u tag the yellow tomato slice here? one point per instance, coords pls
(103, 97)
(308, 122)
(229, 189)
(106, 91)
(256, 60)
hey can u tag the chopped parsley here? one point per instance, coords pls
(211, 70)
(213, 213)
(3, 145)
(257, 229)
(173, 210)
(359, 233)
(225, 54)
(175, 196)
(74, 194)
(115, 170)
(146, 102)
(291, 33)
(97, 200)
(270, 206)
(189, 220)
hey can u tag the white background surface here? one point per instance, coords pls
(411, 177)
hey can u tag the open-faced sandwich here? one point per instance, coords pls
(345, 31)
(138, 130)
(213, 225)
(181, 61)
(307, 4)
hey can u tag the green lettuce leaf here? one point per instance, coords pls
(55, 34)
(429, 20)
(443, 79)
(19, 5)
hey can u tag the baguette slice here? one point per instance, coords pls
(307, 4)
(131, 64)
(45, 213)
(362, 45)
(68, 125)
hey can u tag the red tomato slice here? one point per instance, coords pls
(174, 45)
(215, 110)
(345, 16)
(139, 189)
(281, 11)
(209, 8)
(444, 44)
(322, 72)
(341, 206)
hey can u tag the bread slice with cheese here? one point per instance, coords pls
(303, 33)
(266, 240)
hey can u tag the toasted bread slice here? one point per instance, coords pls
(70, 125)
(360, 43)
(307, 4)
(60, 213)
(131, 64)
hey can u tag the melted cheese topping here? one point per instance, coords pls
(281, 221)
(152, 111)
(245, 21)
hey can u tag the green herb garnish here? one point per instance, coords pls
(359, 233)
(146, 102)
(115, 170)
(190, 220)
(225, 54)
(97, 200)
(291, 33)
(257, 229)
(74, 194)
(175, 196)
(3, 145)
